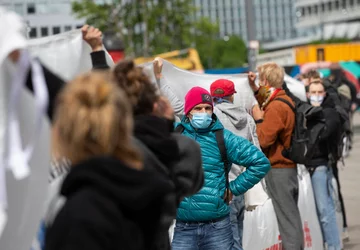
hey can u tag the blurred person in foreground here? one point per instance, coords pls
(109, 201)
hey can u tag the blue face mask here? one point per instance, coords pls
(201, 120)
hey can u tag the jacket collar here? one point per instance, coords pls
(215, 125)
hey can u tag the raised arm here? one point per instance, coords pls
(93, 37)
(165, 89)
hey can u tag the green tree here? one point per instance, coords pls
(153, 27)
(206, 34)
(146, 26)
(332, 40)
(228, 53)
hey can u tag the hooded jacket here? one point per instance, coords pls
(238, 121)
(108, 206)
(208, 204)
(328, 136)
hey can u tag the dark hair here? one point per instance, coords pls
(141, 92)
(312, 74)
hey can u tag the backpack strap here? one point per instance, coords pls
(179, 129)
(219, 134)
(287, 102)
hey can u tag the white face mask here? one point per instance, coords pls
(316, 99)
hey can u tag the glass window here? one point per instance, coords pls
(337, 5)
(228, 13)
(79, 26)
(33, 33)
(322, 7)
(19, 8)
(343, 3)
(315, 9)
(351, 3)
(31, 8)
(56, 30)
(309, 11)
(329, 6)
(67, 28)
(44, 31)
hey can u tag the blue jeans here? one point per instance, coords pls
(203, 236)
(321, 182)
(237, 211)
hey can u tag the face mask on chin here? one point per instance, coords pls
(201, 120)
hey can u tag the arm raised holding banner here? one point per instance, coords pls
(165, 89)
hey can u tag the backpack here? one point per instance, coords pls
(219, 134)
(343, 108)
(309, 124)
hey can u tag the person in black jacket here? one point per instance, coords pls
(318, 166)
(174, 157)
(111, 201)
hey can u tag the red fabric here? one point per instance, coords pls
(116, 55)
(197, 96)
(273, 95)
(225, 86)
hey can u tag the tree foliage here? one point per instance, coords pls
(332, 40)
(153, 27)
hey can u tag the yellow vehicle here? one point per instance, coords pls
(187, 59)
(327, 52)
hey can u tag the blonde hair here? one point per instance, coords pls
(94, 118)
(272, 73)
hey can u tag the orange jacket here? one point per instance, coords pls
(275, 131)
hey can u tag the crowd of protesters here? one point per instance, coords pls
(131, 169)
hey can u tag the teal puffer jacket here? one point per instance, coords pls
(208, 203)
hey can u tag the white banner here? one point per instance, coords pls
(65, 54)
(181, 81)
(261, 231)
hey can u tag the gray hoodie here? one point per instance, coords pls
(239, 122)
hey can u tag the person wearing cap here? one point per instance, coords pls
(202, 220)
(236, 119)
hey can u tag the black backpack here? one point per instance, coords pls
(309, 124)
(219, 134)
(342, 107)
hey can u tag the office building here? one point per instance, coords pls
(275, 19)
(45, 17)
(328, 19)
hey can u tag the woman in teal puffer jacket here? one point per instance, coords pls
(203, 219)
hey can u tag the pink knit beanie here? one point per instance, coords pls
(195, 96)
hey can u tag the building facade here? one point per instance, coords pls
(45, 17)
(328, 19)
(275, 19)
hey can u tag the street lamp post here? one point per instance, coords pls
(253, 44)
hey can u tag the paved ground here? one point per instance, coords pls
(350, 185)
